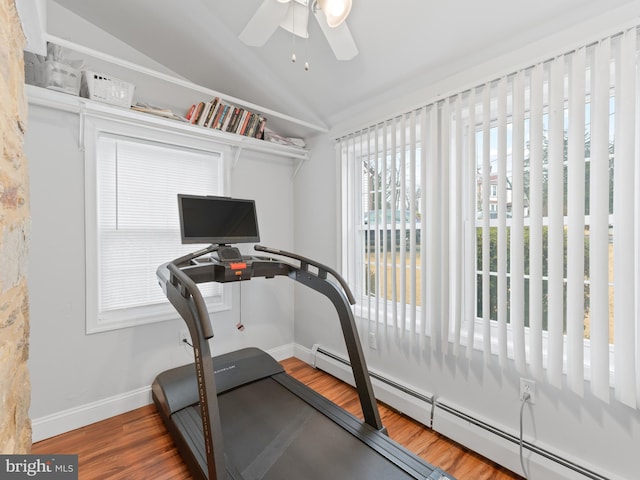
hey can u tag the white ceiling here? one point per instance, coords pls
(398, 42)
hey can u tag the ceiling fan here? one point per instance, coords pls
(293, 16)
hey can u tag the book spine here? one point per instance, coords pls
(205, 112)
(241, 118)
(234, 121)
(216, 114)
(245, 122)
(225, 111)
(228, 118)
(190, 112)
(252, 127)
(263, 124)
(196, 113)
(214, 104)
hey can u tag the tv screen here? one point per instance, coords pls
(217, 220)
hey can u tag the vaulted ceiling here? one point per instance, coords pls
(400, 43)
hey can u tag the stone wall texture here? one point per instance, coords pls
(15, 387)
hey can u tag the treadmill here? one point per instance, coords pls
(239, 416)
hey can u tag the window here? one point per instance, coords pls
(133, 224)
(520, 237)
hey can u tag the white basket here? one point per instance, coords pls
(106, 89)
(61, 77)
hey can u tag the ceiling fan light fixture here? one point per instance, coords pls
(336, 11)
(297, 20)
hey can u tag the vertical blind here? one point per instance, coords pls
(138, 222)
(506, 218)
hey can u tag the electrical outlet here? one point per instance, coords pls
(528, 387)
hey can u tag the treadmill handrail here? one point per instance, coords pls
(193, 290)
(185, 296)
(305, 262)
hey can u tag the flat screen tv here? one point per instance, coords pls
(217, 220)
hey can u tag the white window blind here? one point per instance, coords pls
(507, 218)
(138, 224)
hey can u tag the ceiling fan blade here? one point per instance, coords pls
(339, 38)
(264, 22)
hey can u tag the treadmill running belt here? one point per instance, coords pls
(271, 434)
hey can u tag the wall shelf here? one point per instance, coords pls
(85, 107)
(181, 83)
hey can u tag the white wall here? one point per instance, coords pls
(78, 378)
(601, 437)
(70, 369)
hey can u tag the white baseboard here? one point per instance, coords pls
(304, 354)
(504, 452)
(410, 405)
(471, 434)
(283, 352)
(73, 418)
(76, 417)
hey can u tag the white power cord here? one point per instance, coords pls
(525, 399)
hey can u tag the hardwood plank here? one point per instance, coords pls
(135, 445)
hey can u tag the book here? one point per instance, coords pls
(204, 113)
(190, 112)
(245, 126)
(234, 120)
(159, 111)
(222, 117)
(196, 113)
(263, 124)
(212, 110)
(228, 118)
(241, 121)
(252, 126)
(215, 115)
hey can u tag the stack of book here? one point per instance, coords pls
(228, 118)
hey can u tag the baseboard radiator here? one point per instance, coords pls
(424, 408)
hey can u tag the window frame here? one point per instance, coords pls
(94, 127)
(366, 303)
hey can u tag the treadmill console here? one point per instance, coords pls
(229, 254)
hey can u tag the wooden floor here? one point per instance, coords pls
(135, 445)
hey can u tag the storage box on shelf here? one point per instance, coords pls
(61, 77)
(107, 89)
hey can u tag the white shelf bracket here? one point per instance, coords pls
(237, 150)
(81, 118)
(298, 167)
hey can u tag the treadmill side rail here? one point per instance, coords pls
(185, 296)
(352, 341)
